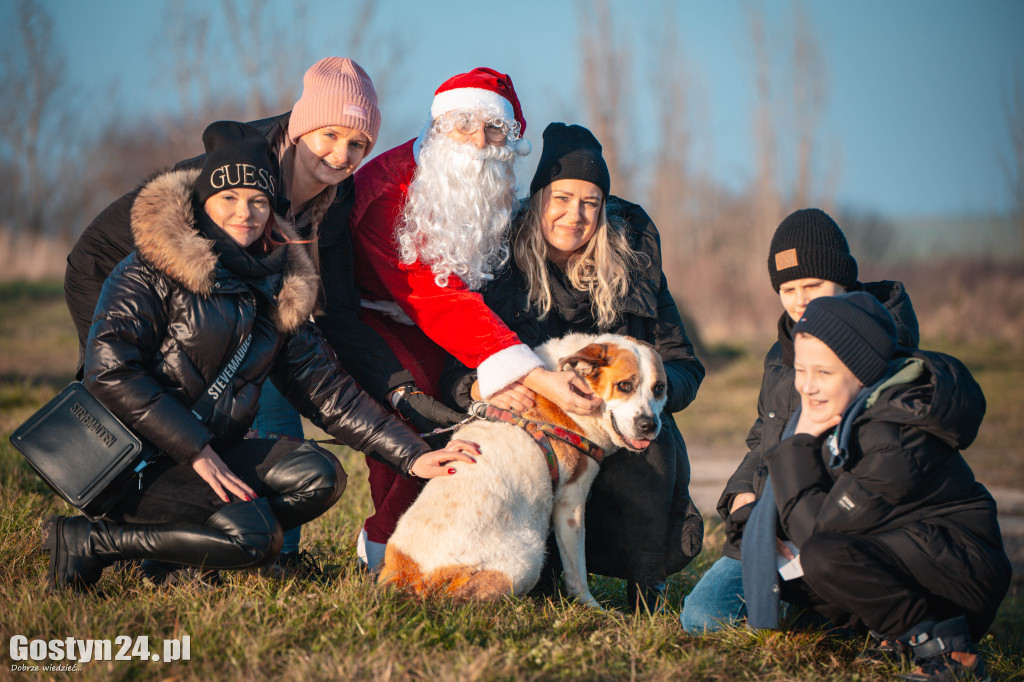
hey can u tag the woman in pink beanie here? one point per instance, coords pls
(319, 144)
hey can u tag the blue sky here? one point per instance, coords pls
(914, 120)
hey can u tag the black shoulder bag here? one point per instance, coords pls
(86, 454)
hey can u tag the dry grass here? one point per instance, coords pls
(348, 628)
(30, 257)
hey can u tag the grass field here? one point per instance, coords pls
(346, 627)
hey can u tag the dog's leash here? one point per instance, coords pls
(254, 433)
(542, 433)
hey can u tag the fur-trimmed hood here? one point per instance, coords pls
(163, 226)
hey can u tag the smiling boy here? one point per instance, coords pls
(894, 532)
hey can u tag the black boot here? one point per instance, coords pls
(240, 535)
(307, 483)
(944, 651)
(73, 565)
(645, 591)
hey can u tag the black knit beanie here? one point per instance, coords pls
(857, 329)
(237, 156)
(808, 243)
(570, 153)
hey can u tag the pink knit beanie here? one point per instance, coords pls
(336, 92)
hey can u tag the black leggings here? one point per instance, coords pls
(175, 493)
(177, 517)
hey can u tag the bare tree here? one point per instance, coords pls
(767, 203)
(1013, 161)
(809, 94)
(33, 117)
(605, 88)
(188, 30)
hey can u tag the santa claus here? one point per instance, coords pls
(429, 227)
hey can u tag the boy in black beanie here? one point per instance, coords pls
(809, 258)
(894, 533)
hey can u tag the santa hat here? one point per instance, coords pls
(482, 89)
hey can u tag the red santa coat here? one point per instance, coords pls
(452, 317)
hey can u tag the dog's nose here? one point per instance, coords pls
(645, 425)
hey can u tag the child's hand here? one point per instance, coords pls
(808, 425)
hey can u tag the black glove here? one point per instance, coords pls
(737, 521)
(421, 411)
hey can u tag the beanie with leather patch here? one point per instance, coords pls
(808, 243)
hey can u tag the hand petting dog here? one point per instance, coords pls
(438, 462)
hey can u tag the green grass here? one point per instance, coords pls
(256, 627)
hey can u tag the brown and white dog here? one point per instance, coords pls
(482, 533)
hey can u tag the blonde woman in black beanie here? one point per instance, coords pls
(892, 532)
(587, 261)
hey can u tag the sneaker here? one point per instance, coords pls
(949, 667)
(944, 652)
(299, 564)
(889, 651)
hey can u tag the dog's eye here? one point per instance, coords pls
(625, 386)
(659, 389)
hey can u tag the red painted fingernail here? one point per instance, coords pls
(451, 470)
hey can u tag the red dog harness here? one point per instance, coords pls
(542, 432)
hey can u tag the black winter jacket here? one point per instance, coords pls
(170, 316)
(649, 313)
(779, 399)
(904, 471)
(108, 240)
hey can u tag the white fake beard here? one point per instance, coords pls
(459, 206)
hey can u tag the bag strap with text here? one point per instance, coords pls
(203, 407)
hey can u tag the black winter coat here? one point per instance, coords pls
(778, 400)
(108, 240)
(640, 520)
(170, 316)
(904, 472)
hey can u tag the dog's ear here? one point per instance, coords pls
(586, 360)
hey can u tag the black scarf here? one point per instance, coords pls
(246, 264)
(786, 339)
(571, 304)
(261, 272)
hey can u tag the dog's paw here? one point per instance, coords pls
(587, 599)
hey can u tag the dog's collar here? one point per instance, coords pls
(542, 432)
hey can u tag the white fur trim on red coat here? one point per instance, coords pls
(504, 367)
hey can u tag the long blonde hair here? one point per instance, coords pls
(604, 268)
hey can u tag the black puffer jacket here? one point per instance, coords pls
(171, 315)
(108, 240)
(779, 399)
(904, 471)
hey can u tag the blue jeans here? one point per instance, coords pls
(716, 600)
(277, 417)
